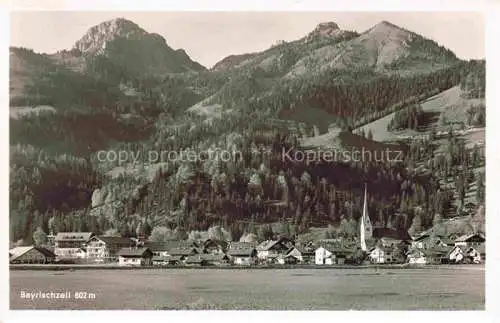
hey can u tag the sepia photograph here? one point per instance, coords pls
(314, 160)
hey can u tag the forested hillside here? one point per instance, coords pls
(260, 105)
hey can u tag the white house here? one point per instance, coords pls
(381, 255)
(417, 256)
(135, 257)
(241, 253)
(270, 249)
(102, 248)
(456, 254)
(322, 256)
(70, 244)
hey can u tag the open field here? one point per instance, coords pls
(437, 288)
(448, 104)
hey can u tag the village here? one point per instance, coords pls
(386, 246)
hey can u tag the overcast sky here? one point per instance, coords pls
(210, 36)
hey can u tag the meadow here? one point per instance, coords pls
(438, 288)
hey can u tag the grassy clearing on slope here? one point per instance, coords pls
(448, 105)
(434, 104)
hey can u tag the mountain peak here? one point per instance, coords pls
(329, 25)
(326, 29)
(386, 27)
(96, 38)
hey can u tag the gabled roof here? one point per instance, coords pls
(19, 251)
(455, 247)
(292, 249)
(74, 236)
(286, 256)
(134, 252)
(46, 252)
(266, 245)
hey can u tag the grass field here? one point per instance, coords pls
(458, 287)
(448, 104)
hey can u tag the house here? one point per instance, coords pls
(135, 257)
(213, 246)
(242, 253)
(105, 248)
(195, 260)
(216, 259)
(31, 255)
(476, 255)
(456, 254)
(437, 255)
(420, 241)
(308, 255)
(68, 244)
(270, 249)
(160, 260)
(470, 240)
(381, 255)
(323, 256)
(416, 256)
(165, 248)
(183, 252)
(294, 252)
(342, 254)
(426, 241)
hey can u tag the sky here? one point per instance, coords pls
(208, 37)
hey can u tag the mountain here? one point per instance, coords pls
(122, 88)
(279, 56)
(316, 67)
(109, 54)
(385, 46)
(132, 48)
